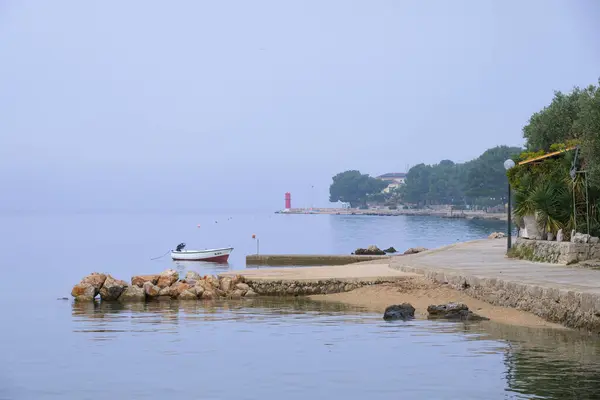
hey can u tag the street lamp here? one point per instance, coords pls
(508, 164)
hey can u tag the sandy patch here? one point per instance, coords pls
(420, 292)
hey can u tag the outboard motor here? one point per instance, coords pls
(180, 247)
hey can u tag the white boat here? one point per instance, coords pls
(214, 255)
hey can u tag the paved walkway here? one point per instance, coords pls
(486, 259)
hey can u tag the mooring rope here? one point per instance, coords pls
(156, 258)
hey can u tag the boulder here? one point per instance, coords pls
(580, 238)
(95, 279)
(167, 278)
(152, 290)
(550, 236)
(208, 295)
(390, 250)
(560, 236)
(197, 290)
(250, 293)
(140, 280)
(164, 292)
(177, 288)
(84, 292)
(370, 251)
(496, 235)
(192, 276)
(237, 294)
(225, 284)
(133, 293)
(594, 240)
(112, 288)
(187, 295)
(415, 250)
(243, 287)
(453, 311)
(212, 281)
(402, 311)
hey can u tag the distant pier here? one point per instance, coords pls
(444, 213)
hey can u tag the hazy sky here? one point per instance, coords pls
(212, 104)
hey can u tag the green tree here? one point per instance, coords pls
(588, 128)
(354, 188)
(451, 183)
(554, 123)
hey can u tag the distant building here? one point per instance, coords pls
(393, 179)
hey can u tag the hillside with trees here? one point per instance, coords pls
(481, 181)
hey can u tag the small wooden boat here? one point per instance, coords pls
(214, 255)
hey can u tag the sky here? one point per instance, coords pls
(219, 105)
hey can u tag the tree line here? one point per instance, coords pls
(570, 119)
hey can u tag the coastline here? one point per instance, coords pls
(444, 213)
(421, 292)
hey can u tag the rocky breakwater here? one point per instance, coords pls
(163, 286)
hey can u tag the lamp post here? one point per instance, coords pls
(508, 164)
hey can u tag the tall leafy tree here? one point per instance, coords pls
(554, 123)
(354, 188)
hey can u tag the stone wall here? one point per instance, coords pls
(306, 288)
(572, 309)
(554, 252)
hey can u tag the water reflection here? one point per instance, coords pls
(536, 362)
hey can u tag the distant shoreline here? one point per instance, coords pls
(472, 215)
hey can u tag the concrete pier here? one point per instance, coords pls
(308, 259)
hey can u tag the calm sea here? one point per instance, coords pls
(261, 349)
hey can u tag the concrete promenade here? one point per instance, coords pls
(486, 259)
(569, 295)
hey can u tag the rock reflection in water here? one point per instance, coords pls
(541, 363)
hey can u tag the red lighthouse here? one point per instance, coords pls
(288, 201)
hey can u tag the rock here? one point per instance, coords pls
(250, 293)
(187, 295)
(415, 250)
(152, 290)
(167, 278)
(198, 290)
(243, 287)
(496, 235)
(225, 284)
(370, 251)
(390, 250)
(453, 311)
(177, 288)
(594, 240)
(84, 292)
(95, 279)
(580, 238)
(165, 292)
(237, 294)
(140, 280)
(550, 236)
(112, 288)
(133, 293)
(402, 311)
(208, 295)
(560, 236)
(212, 281)
(192, 276)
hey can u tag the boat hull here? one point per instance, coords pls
(212, 255)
